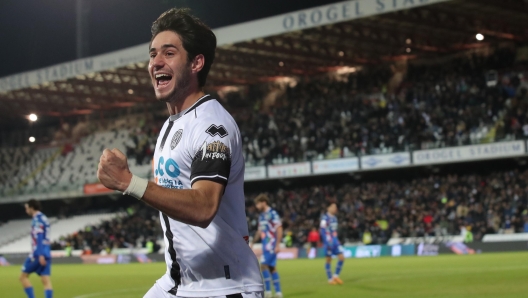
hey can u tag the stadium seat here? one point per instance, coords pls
(18, 230)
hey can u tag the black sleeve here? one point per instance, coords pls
(211, 162)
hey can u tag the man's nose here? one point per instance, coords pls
(157, 62)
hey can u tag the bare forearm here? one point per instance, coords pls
(191, 206)
(256, 237)
(196, 206)
(279, 235)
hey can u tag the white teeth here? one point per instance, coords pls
(160, 75)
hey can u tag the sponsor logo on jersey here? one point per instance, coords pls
(214, 130)
(168, 168)
(170, 183)
(176, 138)
(215, 150)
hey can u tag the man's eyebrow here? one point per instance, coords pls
(165, 46)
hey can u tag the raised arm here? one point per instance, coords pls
(196, 206)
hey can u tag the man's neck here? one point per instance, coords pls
(35, 213)
(177, 106)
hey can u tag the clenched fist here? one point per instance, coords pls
(113, 170)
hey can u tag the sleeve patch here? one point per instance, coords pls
(211, 162)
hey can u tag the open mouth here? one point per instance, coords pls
(163, 79)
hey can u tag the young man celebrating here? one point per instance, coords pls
(198, 171)
(39, 260)
(332, 247)
(270, 231)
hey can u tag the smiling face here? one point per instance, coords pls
(169, 67)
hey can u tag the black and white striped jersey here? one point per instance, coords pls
(204, 143)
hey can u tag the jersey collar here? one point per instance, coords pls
(177, 116)
(200, 101)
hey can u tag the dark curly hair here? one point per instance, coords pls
(197, 38)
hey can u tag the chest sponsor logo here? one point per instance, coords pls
(214, 130)
(169, 167)
(215, 150)
(176, 138)
(166, 172)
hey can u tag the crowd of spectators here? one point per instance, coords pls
(369, 212)
(133, 230)
(449, 104)
(429, 206)
(374, 110)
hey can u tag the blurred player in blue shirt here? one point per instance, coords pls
(270, 231)
(332, 247)
(39, 260)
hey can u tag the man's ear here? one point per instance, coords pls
(198, 63)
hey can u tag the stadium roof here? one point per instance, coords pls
(310, 41)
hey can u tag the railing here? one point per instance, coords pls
(498, 150)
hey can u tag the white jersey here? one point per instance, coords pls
(204, 143)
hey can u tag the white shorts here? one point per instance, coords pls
(157, 292)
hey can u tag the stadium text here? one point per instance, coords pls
(465, 153)
(54, 73)
(75, 68)
(345, 11)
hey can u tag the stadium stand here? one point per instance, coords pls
(13, 230)
(63, 168)
(10, 161)
(372, 111)
(436, 205)
(127, 230)
(446, 104)
(19, 230)
(429, 206)
(435, 106)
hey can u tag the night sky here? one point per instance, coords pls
(39, 33)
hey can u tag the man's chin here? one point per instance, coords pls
(166, 97)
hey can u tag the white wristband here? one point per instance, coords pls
(137, 187)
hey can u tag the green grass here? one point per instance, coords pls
(486, 275)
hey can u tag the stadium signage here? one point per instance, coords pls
(284, 253)
(425, 249)
(289, 170)
(74, 68)
(370, 251)
(347, 10)
(467, 153)
(255, 173)
(303, 19)
(95, 188)
(53, 73)
(394, 160)
(374, 251)
(505, 237)
(335, 165)
(426, 240)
